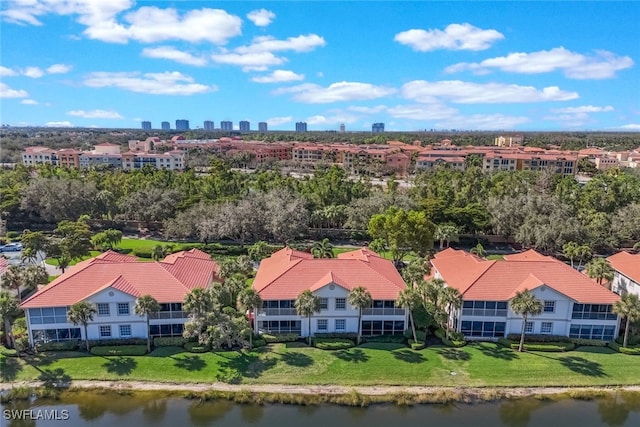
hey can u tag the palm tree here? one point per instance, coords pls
(322, 249)
(360, 298)
(33, 276)
(478, 250)
(600, 269)
(8, 309)
(525, 304)
(306, 305)
(145, 306)
(259, 251)
(198, 303)
(416, 270)
(408, 298)
(629, 308)
(81, 313)
(446, 233)
(452, 300)
(582, 252)
(249, 299)
(158, 252)
(569, 250)
(13, 279)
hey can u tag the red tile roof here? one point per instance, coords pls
(4, 264)
(288, 272)
(167, 281)
(482, 280)
(627, 264)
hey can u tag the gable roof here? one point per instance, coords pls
(287, 273)
(167, 281)
(482, 280)
(627, 264)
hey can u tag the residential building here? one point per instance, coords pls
(287, 273)
(245, 126)
(509, 141)
(626, 278)
(182, 124)
(39, 155)
(301, 126)
(574, 305)
(112, 282)
(262, 127)
(342, 128)
(166, 126)
(68, 157)
(208, 125)
(377, 127)
(146, 125)
(226, 125)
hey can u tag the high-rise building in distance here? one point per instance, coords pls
(226, 125)
(342, 128)
(208, 125)
(377, 127)
(262, 126)
(182, 124)
(166, 126)
(146, 125)
(301, 126)
(245, 126)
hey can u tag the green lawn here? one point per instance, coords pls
(484, 364)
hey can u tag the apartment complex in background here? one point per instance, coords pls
(262, 127)
(146, 125)
(226, 125)
(182, 124)
(509, 141)
(208, 125)
(244, 126)
(165, 126)
(301, 126)
(377, 127)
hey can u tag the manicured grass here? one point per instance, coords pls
(52, 261)
(495, 257)
(483, 364)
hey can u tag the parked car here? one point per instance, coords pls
(11, 247)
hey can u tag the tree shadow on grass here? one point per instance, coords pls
(493, 350)
(248, 365)
(166, 351)
(583, 366)
(9, 368)
(453, 354)
(120, 365)
(409, 356)
(57, 378)
(189, 362)
(354, 355)
(297, 359)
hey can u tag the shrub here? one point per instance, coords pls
(9, 352)
(12, 235)
(392, 339)
(124, 251)
(539, 338)
(417, 345)
(118, 341)
(634, 350)
(449, 342)
(505, 342)
(420, 335)
(195, 347)
(552, 347)
(119, 350)
(346, 335)
(332, 343)
(142, 252)
(58, 346)
(632, 340)
(589, 343)
(270, 338)
(169, 342)
(259, 343)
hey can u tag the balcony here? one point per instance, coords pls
(383, 312)
(169, 315)
(277, 312)
(484, 312)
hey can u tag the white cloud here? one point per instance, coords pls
(95, 114)
(29, 102)
(367, 110)
(583, 109)
(602, 65)
(33, 72)
(275, 121)
(278, 76)
(454, 37)
(261, 17)
(65, 124)
(481, 93)
(332, 119)
(7, 92)
(59, 69)
(630, 126)
(173, 54)
(249, 61)
(167, 83)
(7, 72)
(483, 122)
(427, 112)
(342, 91)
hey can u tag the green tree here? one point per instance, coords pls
(403, 231)
(145, 306)
(452, 300)
(8, 311)
(198, 303)
(323, 249)
(33, 243)
(600, 269)
(409, 299)
(478, 250)
(13, 279)
(259, 251)
(359, 298)
(446, 233)
(158, 252)
(81, 313)
(107, 239)
(526, 305)
(250, 300)
(307, 304)
(628, 307)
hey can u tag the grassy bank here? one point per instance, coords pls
(480, 365)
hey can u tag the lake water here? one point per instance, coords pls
(146, 410)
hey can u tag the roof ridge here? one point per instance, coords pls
(164, 267)
(295, 262)
(491, 264)
(368, 264)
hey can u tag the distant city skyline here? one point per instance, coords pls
(501, 66)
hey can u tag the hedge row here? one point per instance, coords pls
(169, 341)
(59, 346)
(539, 338)
(634, 350)
(270, 338)
(346, 335)
(394, 339)
(333, 343)
(552, 347)
(631, 340)
(118, 341)
(9, 352)
(449, 342)
(583, 342)
(119, 350)
(194, 347)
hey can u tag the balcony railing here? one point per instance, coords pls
(169, 315)
(383, 312)
(277, 312)
(483, 312)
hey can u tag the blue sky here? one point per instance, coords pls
(412, 65)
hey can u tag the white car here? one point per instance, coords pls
(11, 247)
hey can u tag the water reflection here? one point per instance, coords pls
(205, 413)
(614, 409)
(517, 413)
(155, 410)
(251, 414)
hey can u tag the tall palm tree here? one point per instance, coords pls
(198, 303)
(145, 306)
(452, 300)
(8, 310)
(323, 249)
(569, 250)
(158, 252)
(600, 269)
(416, 270)
(249, 299)
(13, 279)
(446, 233)
(583, 252)
(34, 275)
(360, 298)
(306, 305)
(81, 313)
(408, 298)
(525, 304)
(629, 308)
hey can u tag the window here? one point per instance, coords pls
(171, 330)
(322, 324)
(47, 335)
(593, 311)
(546, 327)
(484, 308)
(549, 306)
(341, 303)
(528, 328)
(377, 327)
(105, 331)
(324, 303)
(594, 332)
(125, 330)
(280, 326)
(103, 309)
(123, 309)
(39, 316)
(340, 324)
